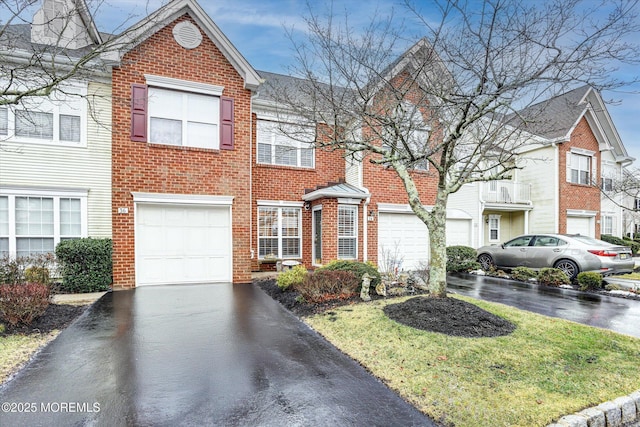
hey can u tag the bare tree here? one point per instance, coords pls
(46, 43)
(451, 101)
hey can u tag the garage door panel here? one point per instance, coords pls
(580, 225)
(182, 244)
(458, 232)
(404, 237)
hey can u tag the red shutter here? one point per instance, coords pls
(138, 112)
(226, 123)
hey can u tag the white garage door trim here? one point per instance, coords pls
(189, 204)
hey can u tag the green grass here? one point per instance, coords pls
(16, 350)
(547, 368)
(630, 276)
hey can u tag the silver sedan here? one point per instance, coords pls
(570, 253)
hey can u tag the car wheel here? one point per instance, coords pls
(486, 261)
(569, 267)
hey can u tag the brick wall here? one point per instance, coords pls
(576, 196)
(153, 168)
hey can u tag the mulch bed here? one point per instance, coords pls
(448, 316)
(57, 316)
(445, 315)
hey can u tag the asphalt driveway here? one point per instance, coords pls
(196, 355)
(617, 314)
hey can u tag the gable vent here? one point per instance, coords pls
(187, 35)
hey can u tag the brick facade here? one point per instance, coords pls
(155, 168)
(577, 196)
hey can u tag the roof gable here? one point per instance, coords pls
(144, 29)
(64, 23)
(555, 119)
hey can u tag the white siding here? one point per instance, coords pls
(610, 203)
(47, 166)
(467, 199)
(540, 170)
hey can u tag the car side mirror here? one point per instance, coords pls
(502, 245)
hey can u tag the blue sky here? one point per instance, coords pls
(257, 29)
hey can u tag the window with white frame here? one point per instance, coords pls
(61, 118)
(4, 225)
(183, 118)
(285, 144)
(35, 223)
(580, 168)
(608, 225)
(607, 184)
(347, 232)
(279, 232)
(494, 228)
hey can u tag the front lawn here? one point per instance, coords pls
(545, 369)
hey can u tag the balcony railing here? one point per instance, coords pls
(506, 192)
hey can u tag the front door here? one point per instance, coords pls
(317, 237)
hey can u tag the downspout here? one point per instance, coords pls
(480, 216)
(251, 249)
(556, 194)
(365, 228)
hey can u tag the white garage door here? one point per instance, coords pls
(580, 225)
(182, 244)
(458, 232)
(404, 237)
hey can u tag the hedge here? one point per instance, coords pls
(85, 264)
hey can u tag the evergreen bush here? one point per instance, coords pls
(553, 277)
(291, 277)
(523, 274)
(356, 267)
(86, 265)
(589, 280)
(461, 258)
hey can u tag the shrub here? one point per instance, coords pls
(635, 247)
(37, 274)
(589, 280)
(35, 268)
(461, 258)
(523, 274)
(323, 285)
(553, 277)
(356, 267)
(291, 277)
(85, 264)
(23, 303)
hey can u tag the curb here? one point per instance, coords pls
(621, 412)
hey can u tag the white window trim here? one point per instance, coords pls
(603, 218)
(497, 228)
(74, 96)
(298, 145)
(183, 85)
(182, 199)
(355, 229)
(279, 206)
(56, 195)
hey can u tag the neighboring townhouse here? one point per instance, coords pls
(583, 155)
(566, 177)
(55, 152)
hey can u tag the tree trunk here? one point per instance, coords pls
(437, 226)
